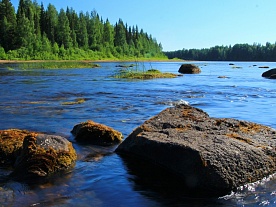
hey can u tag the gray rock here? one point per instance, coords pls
(189, 69)
(209, 154)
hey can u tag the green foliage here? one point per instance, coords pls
(46, 34)
(239, 52)
(54, 65)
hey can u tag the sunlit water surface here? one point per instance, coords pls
(38, 100)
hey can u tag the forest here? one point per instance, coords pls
(238, 52)
(35, 32)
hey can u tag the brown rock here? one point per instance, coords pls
(43, 155)
(210, 155)
(97, 134)
(11, 141)
(189, 69)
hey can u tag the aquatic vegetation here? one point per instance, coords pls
(77, 101)
(149, 74)
(138, 73)
(54, 65)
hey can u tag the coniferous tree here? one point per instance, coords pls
(51, 23)
(7, 25)
(82, 32)
(33, 32)
(63, 33)
(108, 34)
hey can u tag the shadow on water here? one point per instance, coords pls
(156, 183)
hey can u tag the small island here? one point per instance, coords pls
(143, 74)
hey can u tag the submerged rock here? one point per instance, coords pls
(210, 155)
(97, 134)
(189, 69)
(270, 74)
(11, 141)
(43, 155)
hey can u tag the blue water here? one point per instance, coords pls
(36, 100)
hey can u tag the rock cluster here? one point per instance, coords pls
(209, 154)
(34, 154)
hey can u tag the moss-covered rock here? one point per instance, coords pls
(43, 155)
(11, 141)
(97, 134)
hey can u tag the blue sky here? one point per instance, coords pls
(179, 24)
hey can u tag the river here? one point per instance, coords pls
(37, 100)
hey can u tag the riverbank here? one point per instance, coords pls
(97, 61)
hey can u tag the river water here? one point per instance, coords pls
(38, 100)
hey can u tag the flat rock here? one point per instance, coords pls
(189, 69)
(210, 155)
(97, 134)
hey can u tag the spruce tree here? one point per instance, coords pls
(63, 33)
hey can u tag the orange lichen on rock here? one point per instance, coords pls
(239, 138)
(251, 127)
(11, 141)
(95, 133)
(38, 160)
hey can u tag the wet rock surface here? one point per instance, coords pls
(43, 155)
(189, 69)
(11, 141)
(271, 74)
(209, 154)
(97, 134)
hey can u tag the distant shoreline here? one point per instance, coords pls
(96, 61)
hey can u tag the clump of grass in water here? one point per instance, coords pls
(57, 65)
(135, 73)
(77, 101)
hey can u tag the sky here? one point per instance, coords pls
(178, 24)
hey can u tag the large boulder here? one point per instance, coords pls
(189, 69)
(210, 155)
(43, 155)
(97, 134)
(270, 73)
(11, 141)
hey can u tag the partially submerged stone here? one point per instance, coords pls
(97, 134)
(11, 141)
(43, 155)
(189, 69)
(210, 155)
(270, 73)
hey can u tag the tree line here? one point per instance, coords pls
(238, 52)
(35, 32)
